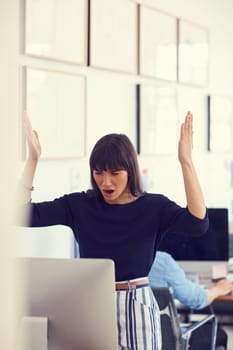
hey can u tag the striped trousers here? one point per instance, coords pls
(138, 320)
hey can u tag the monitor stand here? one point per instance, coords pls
(34, 333)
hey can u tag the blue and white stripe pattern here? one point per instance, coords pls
(138, 320)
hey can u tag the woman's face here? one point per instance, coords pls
(113, 185)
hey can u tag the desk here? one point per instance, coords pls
(222, 307)
(227, 298)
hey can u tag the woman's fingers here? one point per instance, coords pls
(186, 138)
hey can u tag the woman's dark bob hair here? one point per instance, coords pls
(116, 152)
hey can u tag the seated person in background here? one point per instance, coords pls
(165, 272)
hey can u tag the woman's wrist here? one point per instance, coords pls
(33, 158)
(28, 188)
(186, 163)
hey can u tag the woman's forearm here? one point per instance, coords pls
(26, 182)
(194, 195)
(193, 191)
(34, 152)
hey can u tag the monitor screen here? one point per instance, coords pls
(212, 246)
(69, 304)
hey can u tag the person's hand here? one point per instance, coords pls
(186, 139)
(34, 147)
(220, 288)
(224, 287)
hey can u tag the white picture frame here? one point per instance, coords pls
(220, 123)
(193, 53)
(56, 105)
(158, 120)
(157, 44)
(57, 29)
(114, 35)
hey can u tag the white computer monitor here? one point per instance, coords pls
(69, 304)
(56, 241)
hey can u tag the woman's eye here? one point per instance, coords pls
(115, 173)
(97, 172)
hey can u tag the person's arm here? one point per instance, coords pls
(220, 288)
(34, 152)
(166, 272)
(194, 195)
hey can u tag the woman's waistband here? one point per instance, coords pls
(132, 284)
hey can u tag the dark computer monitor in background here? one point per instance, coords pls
(212, 247)
(69, 304)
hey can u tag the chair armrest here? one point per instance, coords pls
(187, 331)
(192, 327)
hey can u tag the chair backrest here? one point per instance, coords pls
(170, 326)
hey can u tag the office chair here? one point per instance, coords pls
(176, 336)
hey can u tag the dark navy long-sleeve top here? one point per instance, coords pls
(126, 233)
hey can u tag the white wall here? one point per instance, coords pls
(111, 108)
(9, 302)
(214, 170)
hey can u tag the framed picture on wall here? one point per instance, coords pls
(57, 29)
(220, 123)
(157, 119)
(56, 105)
(114, 35)
(193, 53)
(157, 44)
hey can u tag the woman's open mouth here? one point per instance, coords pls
(107, 193)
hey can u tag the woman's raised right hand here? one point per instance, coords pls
(33, 142)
